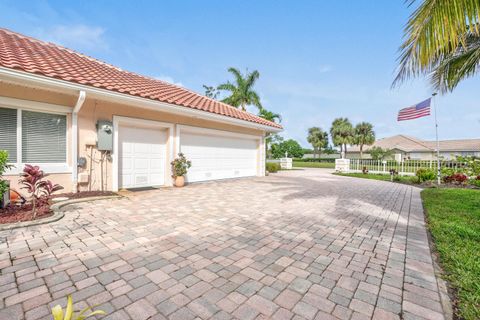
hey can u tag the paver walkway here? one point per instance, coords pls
(294, 245)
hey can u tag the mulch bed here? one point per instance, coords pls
(85, 194)
(13, 213)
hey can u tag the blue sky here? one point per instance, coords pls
(318, 60)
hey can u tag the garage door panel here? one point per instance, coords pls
(142, 156)
(216, 157)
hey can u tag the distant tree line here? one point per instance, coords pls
(342, 134)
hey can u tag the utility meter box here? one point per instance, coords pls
(104, 135)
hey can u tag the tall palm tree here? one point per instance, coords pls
(241, 92)
(318, 139)
(364, 135)
(441, 40)
(273, 117)
(342, 133)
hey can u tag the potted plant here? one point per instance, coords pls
(179, 167)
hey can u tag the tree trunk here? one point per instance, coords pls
(345, 151)
(361, 151)
(34, 208)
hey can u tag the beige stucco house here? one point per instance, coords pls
(93, 126)
(410, 148)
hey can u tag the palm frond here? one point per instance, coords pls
(464, 63)
(254, 99)
(227, 87)
(237, 74)
(252, 78)
(269, 115)
(435, 29)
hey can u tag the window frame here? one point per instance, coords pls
(23, 105)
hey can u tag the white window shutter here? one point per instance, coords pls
(44, 137)
(8, 132)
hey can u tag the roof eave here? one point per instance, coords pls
(36, 80)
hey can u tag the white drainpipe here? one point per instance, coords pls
(76, 109)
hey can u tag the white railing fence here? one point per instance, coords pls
(406, 167)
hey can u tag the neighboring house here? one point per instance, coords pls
(406, 148)
(59, 108)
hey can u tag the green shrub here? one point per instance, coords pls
(326, 160)
(446, 171)
(475, 182)
(424, 174)
(272, 167)
(414, 180)
(3, 167)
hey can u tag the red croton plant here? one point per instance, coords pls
(40, 190)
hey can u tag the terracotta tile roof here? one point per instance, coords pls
(411, 144)
(27, 54)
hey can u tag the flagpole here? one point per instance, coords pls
(436, 135)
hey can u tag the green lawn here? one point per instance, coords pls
(453, 217)
(383, 177)
(305, 164)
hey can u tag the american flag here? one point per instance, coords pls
(419, 110)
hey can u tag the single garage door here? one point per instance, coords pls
(219, 157)
(142, 157)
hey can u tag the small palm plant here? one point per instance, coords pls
(69, 314)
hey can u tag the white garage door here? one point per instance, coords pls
(217, 157)
(142, 157)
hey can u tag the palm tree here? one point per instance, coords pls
(241, 93)
(441, 40)
(342, 133)
(364, 135)
(318, 139)
(273, 117)
(211, 92)
(269, 115)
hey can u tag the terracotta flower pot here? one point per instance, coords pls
(179, 181)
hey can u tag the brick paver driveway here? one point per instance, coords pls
(295, 245)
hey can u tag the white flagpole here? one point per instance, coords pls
(436, 135)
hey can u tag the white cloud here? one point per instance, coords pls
(78, 36)
(325, 68)
(169, 80)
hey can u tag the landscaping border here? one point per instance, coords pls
(58, 213)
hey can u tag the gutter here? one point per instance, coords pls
(51, 83)
(81, 99)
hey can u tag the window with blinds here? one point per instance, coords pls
(8, 132)
(44, 137)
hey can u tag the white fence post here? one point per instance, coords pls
(286, 163)
(342, 165)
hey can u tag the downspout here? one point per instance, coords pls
(76, 109)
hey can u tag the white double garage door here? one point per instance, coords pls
(144, 154)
